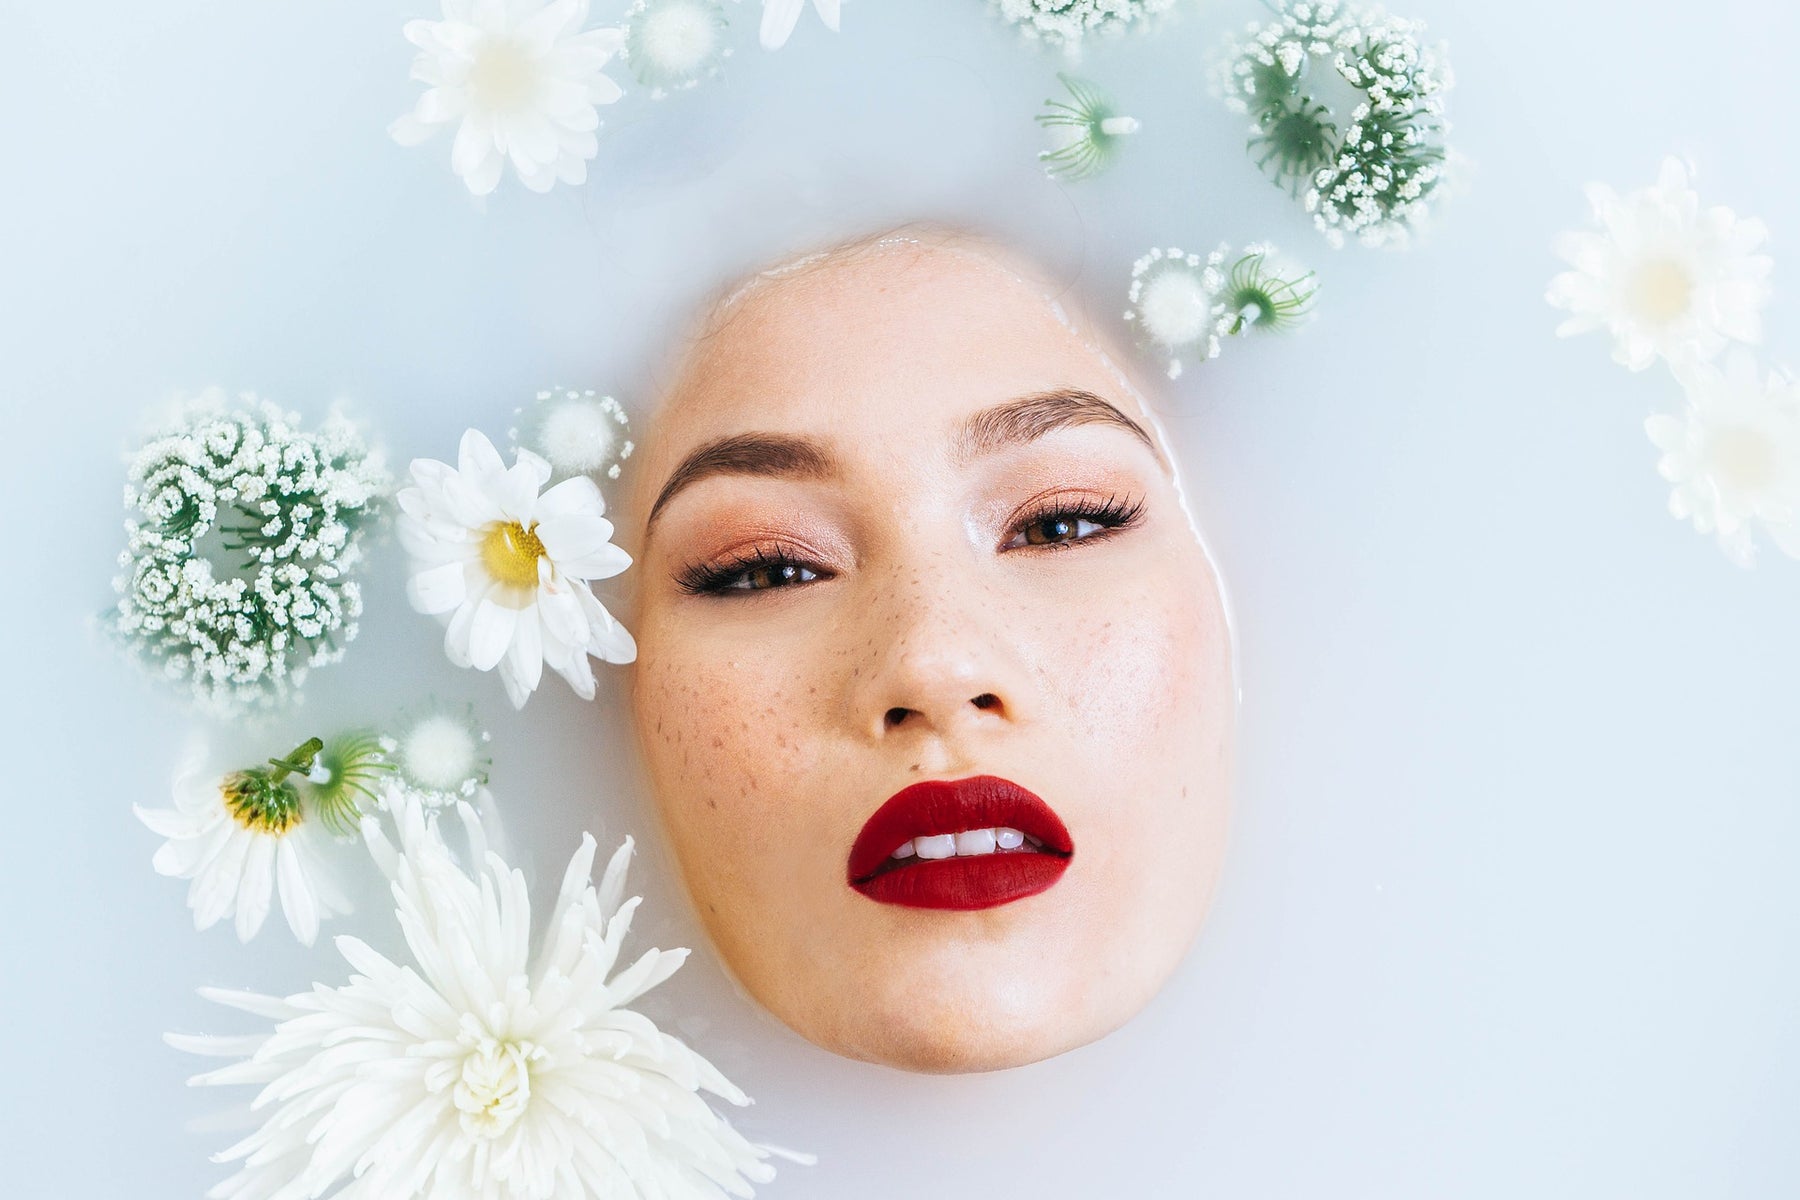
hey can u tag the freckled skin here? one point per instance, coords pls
(1103, 665)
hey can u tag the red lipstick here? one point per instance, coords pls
(983, 874)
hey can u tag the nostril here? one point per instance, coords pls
(985, 700)
(896, 715)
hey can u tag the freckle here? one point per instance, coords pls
(712, 908)
(711, 803)
(718, 743)
(753, 783)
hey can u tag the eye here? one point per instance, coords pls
(761, 570)
(1063, 523)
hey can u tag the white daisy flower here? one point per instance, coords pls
(1734, 455)
(1663, 276)
(243, 838)
(480, 1071)
(520, 80)
(510, 569)
(780, 16)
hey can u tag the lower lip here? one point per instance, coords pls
(972, 882)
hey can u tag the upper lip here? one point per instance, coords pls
(939, 806)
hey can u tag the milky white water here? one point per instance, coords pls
(1510, 907)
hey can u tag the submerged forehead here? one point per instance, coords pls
(883, 346)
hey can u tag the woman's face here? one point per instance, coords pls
(933, 676)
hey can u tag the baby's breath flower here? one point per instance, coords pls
(1068, 23)
(1370, 173)
(577, 433)
(674, 44)
(1084, 130)
(242, 536)
(439, 754)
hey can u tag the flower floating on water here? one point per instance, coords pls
(780, 16)
(1068, 23)
(1663, 276)
(1175, 303)
(244, 837)
(510, 569)
(440, 755)
(577, 433)
(1734, 455)
(346, 780)
(671, 44)
(520, 80)
(1264, 292)
(1371, 173)
(1085, 130)
(239, 552)
(481, 1069)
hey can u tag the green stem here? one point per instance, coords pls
(299, 760)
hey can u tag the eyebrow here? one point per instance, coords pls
(1013, 422)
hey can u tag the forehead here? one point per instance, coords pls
(892, 345)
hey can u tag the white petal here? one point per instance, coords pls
(256, 887)
(438, 590)
(296, 897)
(778, 20)
(490, 633)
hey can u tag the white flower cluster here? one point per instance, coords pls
(1182, 303)
(1373, 180)
(1676, 282)
(243, 532)
(577, 433)
(481, 1069)
(674, 44)
(1067, 23)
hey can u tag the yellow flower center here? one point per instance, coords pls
(503, 77)
(261, 804)
(1742, 459)
(494, 1088)
(1662, 290)
(510, 552)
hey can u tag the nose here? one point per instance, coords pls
(937, 657)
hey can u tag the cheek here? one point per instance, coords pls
(725, 735)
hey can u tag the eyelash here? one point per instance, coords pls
(1114, 515)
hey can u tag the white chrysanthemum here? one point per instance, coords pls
(577, 433)
(1734, 456)
(439, 755)
(480, 1071)
(1663, 276)
(243, 838)
(780, 16)
(1175, 303)
(510, 569)
(520, 80)
(672, 44)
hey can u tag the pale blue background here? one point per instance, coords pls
(1511, 906)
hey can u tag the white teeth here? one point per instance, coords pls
(975, 841)
(942, 845)
(967, 844)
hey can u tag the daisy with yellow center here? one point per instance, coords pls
(244, 838)
(509, 569)
(1666, 277)
(1733, 455)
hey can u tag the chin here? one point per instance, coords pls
(933, 1027)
